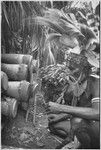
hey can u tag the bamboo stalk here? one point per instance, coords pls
(4, 81)
(15, 72)
(19, 90)
(9, 107)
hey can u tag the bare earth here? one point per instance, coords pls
(18, 133)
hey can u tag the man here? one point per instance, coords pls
(85, 121)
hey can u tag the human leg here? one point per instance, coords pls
(61, 128)
(87, 132)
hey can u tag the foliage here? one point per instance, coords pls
(19, 32)
(58, 79)
(55, 36)
(70, 34)
(68, 31)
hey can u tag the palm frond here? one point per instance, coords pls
(88, 34)
(49, 57)
(52, 36)
(70, 41)
(5, 13)
(50, 23)
(60, 22)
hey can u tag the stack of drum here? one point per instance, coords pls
(15, 82)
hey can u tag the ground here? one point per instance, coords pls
(17, 133)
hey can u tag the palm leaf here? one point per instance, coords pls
(66, 17)
(5, 13)
(81, 14)
(64, 20)
(87, 32)
(52, 36)
(73, 18)
(53, 14)
(69, 41)
(50, 23)
(71, 29)
(75, 50)
(50, 58)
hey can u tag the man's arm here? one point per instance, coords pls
(85, 113)
(82, 112)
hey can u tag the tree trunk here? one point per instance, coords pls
(9, 107)
(19, 90)
(4, 81)
(15, 72)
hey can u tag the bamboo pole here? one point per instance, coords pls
(4, 81)
(15, 72)
(19, 90)
(9, 107)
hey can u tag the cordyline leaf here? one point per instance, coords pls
(92, 59)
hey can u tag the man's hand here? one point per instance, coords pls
(54, 118)
(53, 108)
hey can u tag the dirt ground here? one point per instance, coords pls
(18, 133)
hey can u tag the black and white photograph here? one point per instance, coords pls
(50, 74)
